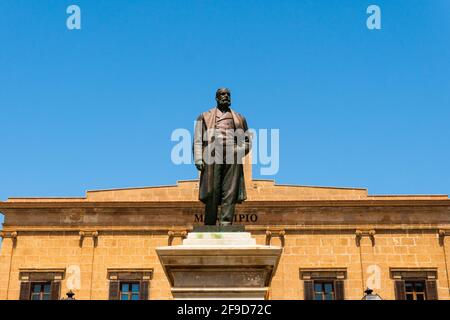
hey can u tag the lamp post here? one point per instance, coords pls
(69, 295)
(370, 296)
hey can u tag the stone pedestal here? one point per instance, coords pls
(219, 265)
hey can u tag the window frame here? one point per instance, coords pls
(117, 277)
(414, 292)
(336, 276)
(42, 291)
(428, 276)
(30, 277)
(323, 294)
(130, 292)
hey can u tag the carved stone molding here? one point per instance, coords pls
(176, 234)
(442, 234)
(41, 274)
(11, 235)
(275, 233)
(413, 273)
(365, 233)
(88, 233)
(323, 273)
(130, 274)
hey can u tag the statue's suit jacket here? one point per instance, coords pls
(204, 136)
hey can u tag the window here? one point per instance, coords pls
(415, 290)
(323, 284)
(40, 284)
(415, 283)
(40, 290)
(323, 290)
(129, 290)
(129, 284)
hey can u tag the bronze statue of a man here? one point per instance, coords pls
(221, 141)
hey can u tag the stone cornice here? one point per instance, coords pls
(358, 230)
(247, 204)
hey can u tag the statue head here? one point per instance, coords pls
(223, 97)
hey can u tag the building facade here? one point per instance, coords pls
(336, 242)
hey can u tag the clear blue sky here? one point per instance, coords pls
(95, 108)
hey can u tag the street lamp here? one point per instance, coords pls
(69, 295)
(370, 296)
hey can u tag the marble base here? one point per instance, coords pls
(230, 228)
(222, 265)
(219, 238)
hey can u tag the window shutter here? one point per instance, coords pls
(400, 293)
(143, 294)
(431, 289)
(54, 290)
(114, 290)
(308, 289)
(339, 289)
(25, 290)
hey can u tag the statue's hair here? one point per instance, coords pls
(221, 89)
